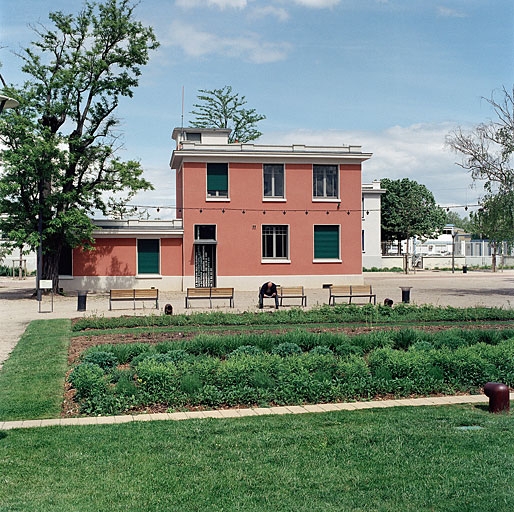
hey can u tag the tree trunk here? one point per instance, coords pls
(50, 268)
(493, 258)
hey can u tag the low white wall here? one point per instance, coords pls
(431, 262)
(392, 261)
(251, 283)
(428, 262)
(98, 284)
(370, 261)
(177, 283)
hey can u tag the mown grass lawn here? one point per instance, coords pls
(32, 379)
(400, 459)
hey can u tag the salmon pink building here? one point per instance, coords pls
(245, 213)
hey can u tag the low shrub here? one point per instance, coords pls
(421, 345)
(88, 380)
(321, 350)
(122, 352)
(245, 350)
(105, 360)
(5, 270)
(287, 349)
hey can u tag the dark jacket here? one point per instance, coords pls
(270, 292)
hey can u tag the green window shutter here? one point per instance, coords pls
(217, 179)
(148, 256)
(326, 242)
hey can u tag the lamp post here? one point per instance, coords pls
(6, 102)
(453, 249)
(39, 270)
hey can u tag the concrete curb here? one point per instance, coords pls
(242, 413)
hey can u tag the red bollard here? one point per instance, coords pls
(498, 394)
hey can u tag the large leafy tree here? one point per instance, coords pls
(494, 220)
(59, 154)
(409, 209)
(222, 108)
(487, 153)
(458, 221)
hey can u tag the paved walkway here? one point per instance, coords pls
(241, 413)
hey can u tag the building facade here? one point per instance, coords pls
(292, 214)
(245, 213)
(371, 225)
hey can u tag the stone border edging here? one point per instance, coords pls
(241, 413)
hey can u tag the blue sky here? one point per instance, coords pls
(395, 76)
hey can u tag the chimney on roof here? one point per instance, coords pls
(214, 136)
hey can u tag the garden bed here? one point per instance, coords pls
(160, 371)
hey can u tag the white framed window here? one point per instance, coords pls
(273, 181)
(325, 181)
(275, 242)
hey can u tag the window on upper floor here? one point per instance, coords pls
(325, 182)
(148, 256)
(217, 180)
(273, 175)
(326, 242)
(275, 242)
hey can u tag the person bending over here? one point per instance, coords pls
(268, 289)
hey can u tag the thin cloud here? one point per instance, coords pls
(278, 13)
(446, 12)
(317, 4)
(221, 4)
(199, 43)
(416, 152)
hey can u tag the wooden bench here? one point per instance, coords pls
(351, 291)
(133, 295)
(292, 292)
(210, 293)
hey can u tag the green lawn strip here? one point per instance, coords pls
(32, 379)
(399, 459)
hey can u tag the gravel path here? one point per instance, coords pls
(18, 305)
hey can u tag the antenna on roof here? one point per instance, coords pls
(182, 118)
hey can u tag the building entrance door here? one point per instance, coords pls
(205, 256)
(205, 265)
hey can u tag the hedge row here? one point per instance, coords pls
(341, 313)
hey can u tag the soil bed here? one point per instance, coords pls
(80, 344)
